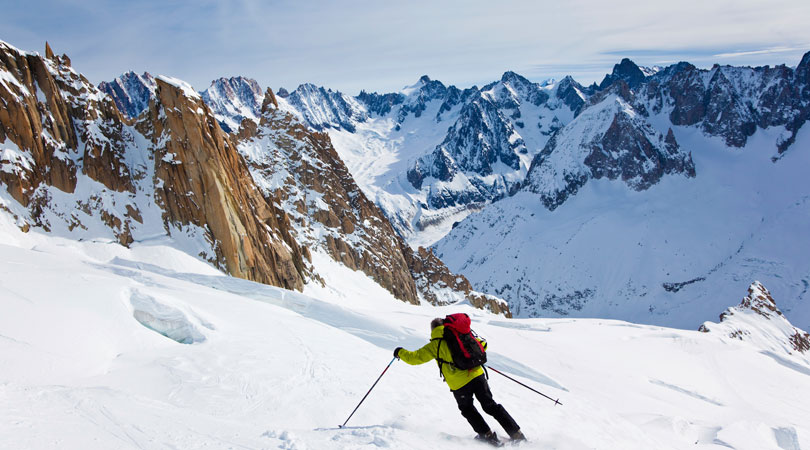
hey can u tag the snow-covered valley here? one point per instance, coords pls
(87, 363)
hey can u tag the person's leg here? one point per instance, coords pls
(492, 408)
(464, 398)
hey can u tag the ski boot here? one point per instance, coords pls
(490, 438)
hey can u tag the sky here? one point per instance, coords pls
(373, 45)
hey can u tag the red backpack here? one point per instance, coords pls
(467, 351)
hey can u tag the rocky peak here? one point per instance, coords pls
(609, 139)
(233, 100)
(417, 97)
(48, 51)
(431, 89)
(759, 300)
(620, 89)
(61, 125)
(758, 320)
(514, 89)
(36, 129)
(131, 92)
(474, 146)
(626, 71)
(514, 78)
(323, 108)
(269, 99)
(728, 112)
(571, 93)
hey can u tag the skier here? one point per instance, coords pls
(464, 384)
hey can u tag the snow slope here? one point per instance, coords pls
(91, 357)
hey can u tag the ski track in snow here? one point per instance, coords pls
(686, 392)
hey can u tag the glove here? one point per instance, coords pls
(396, 352)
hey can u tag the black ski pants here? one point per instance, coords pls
(479, 388)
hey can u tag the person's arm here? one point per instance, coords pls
(421, 356)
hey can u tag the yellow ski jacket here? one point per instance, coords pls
(455, 378)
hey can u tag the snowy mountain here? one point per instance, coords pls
(323, 108)
(443, 153)
(612, 140)
(732, 102)
(148, 347)
(707, 194)
(131, 92)
(173, 175)
(233, 100)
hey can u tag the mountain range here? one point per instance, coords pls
(650, 196)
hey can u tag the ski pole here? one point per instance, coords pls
(369, 392)
(556, 402)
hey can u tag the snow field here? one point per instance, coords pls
(281, 369)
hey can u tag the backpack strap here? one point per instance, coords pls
(439, 360)
(480, 341)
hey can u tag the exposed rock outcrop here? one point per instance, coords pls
(440, 286)
(757, 320)
(61, 127)
(203, 180)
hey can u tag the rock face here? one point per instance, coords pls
(731, 102)
(73, 166)
(300, 169)
(131, 92)
(55, 128)
(203, 181)
(440, 286)
(475, 144)
(757, 320)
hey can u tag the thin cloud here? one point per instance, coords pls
(768, 51)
